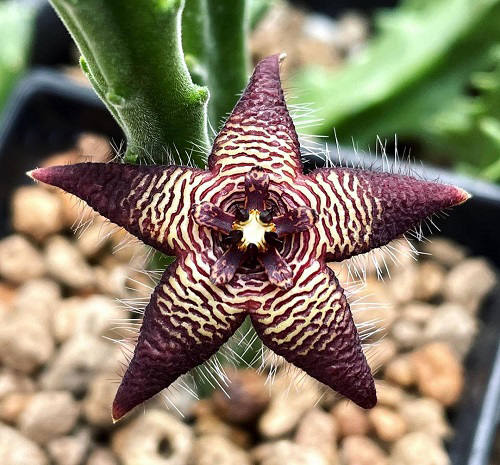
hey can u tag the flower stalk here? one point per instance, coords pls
(132, 54)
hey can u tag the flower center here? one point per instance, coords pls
(254, 231)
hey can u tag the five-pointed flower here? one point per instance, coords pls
(252, 235)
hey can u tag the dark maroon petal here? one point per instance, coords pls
(224, 268)
(241, 214)
(256, 187)
(272, 239)
(259, 131)
(313, 329)
(295, 221)
(266, 216)
(234, 236)
(211, 216)
(139, 198)
(278, 271)
(362, 210)
(177, 334)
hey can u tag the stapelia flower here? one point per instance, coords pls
(252, 235)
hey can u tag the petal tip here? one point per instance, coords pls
(38, 174)
(281, 57)
(117, 413)
(369, 401)
(462, 196)
(49, 174)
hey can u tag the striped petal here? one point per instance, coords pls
(256, 187)
(183, 327)
(145, 200)
(209, 215)
(362, 210)
(259, 131)
(278, 271)
(313, 329)
(225, 267)
(296, 220)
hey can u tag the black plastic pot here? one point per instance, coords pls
(48, 111)
(45, 114)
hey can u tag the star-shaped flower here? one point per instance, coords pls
(252, 235)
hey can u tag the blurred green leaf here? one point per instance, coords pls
(257, 10)
(414, 80)
(16, 27)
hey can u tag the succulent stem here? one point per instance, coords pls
(132, 54)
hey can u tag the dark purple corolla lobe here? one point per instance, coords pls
(252, 236)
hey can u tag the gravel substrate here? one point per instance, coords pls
(59, 366)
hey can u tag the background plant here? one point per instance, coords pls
(16, 28)
(431, 75)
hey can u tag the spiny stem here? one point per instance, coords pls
(227, 56)
(132, 54)
(215, 41)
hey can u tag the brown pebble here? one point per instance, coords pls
(94, 147)
(400, 371)
(19, 260)
(431, 277)
(246, 397)
(69, 450)
(7, 293)
(13, 382)
(444, 251)
(16, 449)
(217, 450)
(77, 362)
(36, 212)
(351, 420)
(93, 241)
(101, 456)
(380, 353)
(66, 264)
(318, 429)
(207, 422)
(12, 405)
(49, 414)
(63, 318)
(75, 212)
(286, 452)
(469, 283)
(427, 415)
(406, 333)
(97, 402)
(389, 395)
(389, 426)
(419, 449)
(112, 281)
(143, 440)
(452, 324)
(418, 312)
(438, 372)
(37, 298)
(25, 342)
(379, 316)
(402, 285)
(360, 450)
(292, 395)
